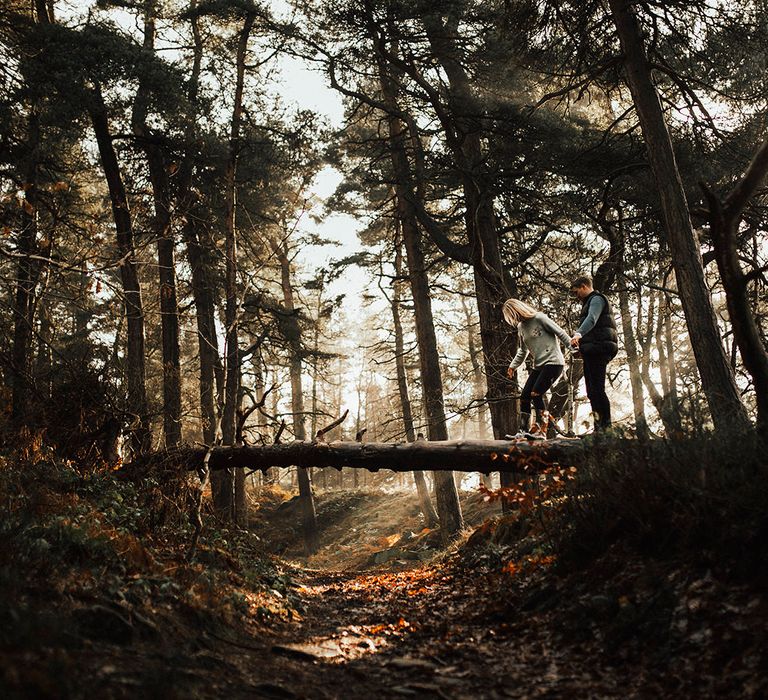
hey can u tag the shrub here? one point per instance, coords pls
(703, 497)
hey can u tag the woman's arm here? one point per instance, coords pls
(522, 353)
(553, 328)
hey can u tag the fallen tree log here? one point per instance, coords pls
(484, 456)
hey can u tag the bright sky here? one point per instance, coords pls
(301, 85)
(297, 84)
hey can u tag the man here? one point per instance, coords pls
(597, 341)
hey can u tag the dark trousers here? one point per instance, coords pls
(539, 381)
(595, 365)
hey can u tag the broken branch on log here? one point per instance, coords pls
(320, 435)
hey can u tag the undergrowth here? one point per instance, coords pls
(703, 499)
(87, 556)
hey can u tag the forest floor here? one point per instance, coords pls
(381, 610)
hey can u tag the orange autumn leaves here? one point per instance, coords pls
(528, 564)
(534, 490)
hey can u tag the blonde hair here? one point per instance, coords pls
(515, 311)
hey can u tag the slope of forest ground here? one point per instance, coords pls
(663, 599)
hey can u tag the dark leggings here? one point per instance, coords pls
(539, 381)
(594, 377)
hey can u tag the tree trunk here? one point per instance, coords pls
(223, 495)
(23, 319)
(492, 283)
(618, 244)
(717, 379)
(44, 369)
(293, 333)
(140, 435)
(478, 382)
(669, 418)
(724, 223)
(203, 293)
(669, 360)
(447, 498)
(240, 510)
(28, 271)
(427, 509)
(163, 233)
(635, 376)
(441, 456)
(211, 379)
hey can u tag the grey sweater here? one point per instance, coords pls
(539, 337)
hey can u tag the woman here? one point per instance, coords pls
(538, 335)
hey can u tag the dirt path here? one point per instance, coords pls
(406, 628)
(415, 633)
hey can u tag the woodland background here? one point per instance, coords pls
(160, 212)
(234, 222)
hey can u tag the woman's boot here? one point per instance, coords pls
(542, 423)
(523, 426)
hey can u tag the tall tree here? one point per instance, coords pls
(717, 378)
(162, 229)
(725, 217)
(448, 508)
(223, 498)
(293, 336)
(198, 249)
(430, 515)
(134, 309)
(31, 253)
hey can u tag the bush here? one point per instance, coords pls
(702, 497)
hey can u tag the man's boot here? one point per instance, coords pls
(602, 421)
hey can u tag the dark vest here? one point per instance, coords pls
(603, 338)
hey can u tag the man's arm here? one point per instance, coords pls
(596, 306)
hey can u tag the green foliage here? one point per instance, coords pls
(227, 9)
(71, 536)
(63, 65)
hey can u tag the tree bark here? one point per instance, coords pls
(618, 243)
(224, 492)
(663, 403)
(211, 380)
(717, 379)
(492, 283)
(478, 381)
(635, 376)
(163, 233)
(430, 515)
(293, 336)
(441, 456)
(724, 223)
(669, 360)
(446, 495)
(28, 270)
(140, 435)
(204, 294)
(23, 319)
(44, 369)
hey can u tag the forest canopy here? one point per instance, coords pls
(171, 191)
